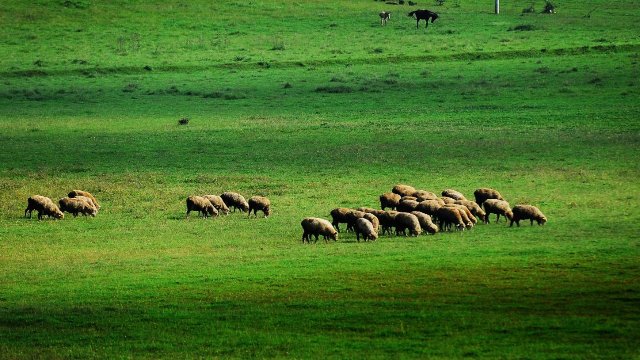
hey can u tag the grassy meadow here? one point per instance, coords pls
(315, 105)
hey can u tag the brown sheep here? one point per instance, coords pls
(317, 226)
(373, 219)
(366, 228)
(235, 200)
(447, 200)
(403, 190)
(429, 207)
(405, 221)
(422, 195)
(412, 198)
(259, 203)
(201, 205)
(498, 207)
(425, 222)
(78, 205)
(352, 216)
(217, 203)
(466, 215)
(456, 195)
(475, 209)
(75, 193)
(88, 200)
(388, 221)
(407, 205)
(448, 216)
(483, 194)
(339, 215)
(366, 209)
(524, 212)
(389, 200)
(44, 206)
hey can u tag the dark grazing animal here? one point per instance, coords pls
(384, 16)
(423, 15)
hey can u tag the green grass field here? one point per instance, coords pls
(315, 105)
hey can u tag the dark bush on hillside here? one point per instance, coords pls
(549, 8)
(529, 10)
(287, 85)
(334, 89)
(524, 27)
(183, 121)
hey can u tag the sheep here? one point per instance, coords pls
(387, 221)
(78, 205)
(217, 203)
(403, 190)
(75, 193)
(429, 207)
(352, 216)
(408, 198)
(88, 200)
(366, 209)
(466, 215)
(259, 203)
(373, 219)
(448, 216)
(475, 209)
(425, 222)
(44, 206)
(422, 195)
(235, 200)
(201, 205)
(524, 212)
(456, 195)
(405, 221)
(407, 205)
(384, 16)
(498, 207)
(339, 215)
(447, 200)
(317, 226)
(366, 228)
(483, 194)
(389, 200)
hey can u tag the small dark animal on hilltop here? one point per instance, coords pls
(384, 16)
(423, 15)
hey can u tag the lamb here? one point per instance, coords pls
(524, 212)
(339, 215)
(259, 203)
(317, 226)
(483, 194)
(422, 195)
(405, 221)
(75, 193)
(407, 205)
(475, 209)
(498, 207)
(389, 200)
(425, 222)
(217, 203)
(235, 200)
(403, 190)
(201, 205)
(448, 216)
(77, 205)
(366, 228)
(456, 195)
(44, 206)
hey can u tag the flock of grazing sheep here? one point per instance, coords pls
(414, 210)
(419, 211)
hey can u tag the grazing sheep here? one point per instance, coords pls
(388, 221)
(217, 203)
(466, 215)
(408, 198)
(366, 209)
(425, 222)
(530, 212)
(366, 228)
(447, 200)
(429, 207)
(201, 205)
(384, 16)
(403, 190)
(235, 200)
(405, 221)
(483, 194)
(448, 216)
(456, 195)
(316, 226)
(44, 206)
(475, 209)
(88, 200)
(352, 216)
(407, 205)
(75, 193)
(373, 219)
(339, 215)
(259, 203)
(422, 195)
(389, 200)
(78, 205)
(498, 207)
